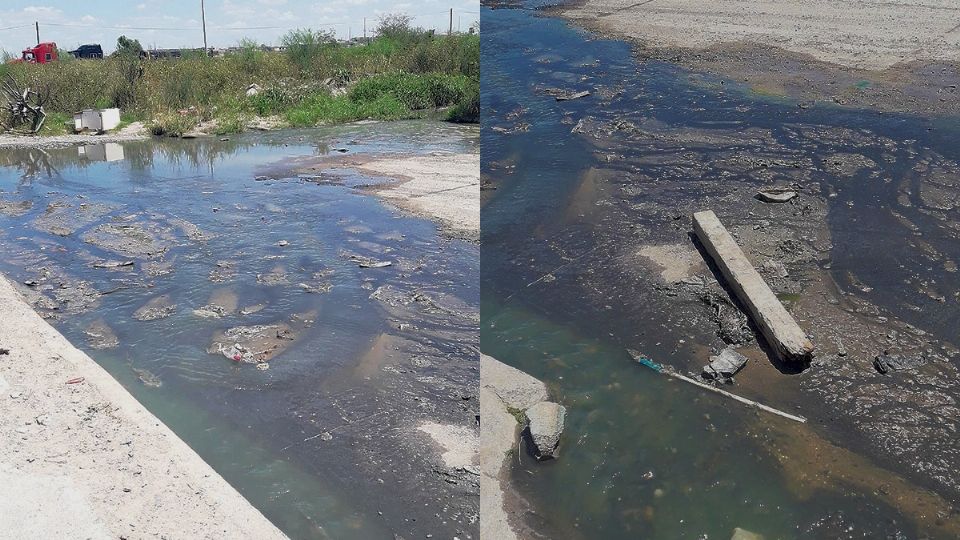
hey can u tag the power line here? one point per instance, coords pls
(173, 28)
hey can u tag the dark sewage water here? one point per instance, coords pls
(210, 227)
(644, 457)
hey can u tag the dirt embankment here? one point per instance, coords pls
(132, 132)
(892, 56)
(442, 187)
(80, 457)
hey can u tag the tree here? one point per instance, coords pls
(128, 47)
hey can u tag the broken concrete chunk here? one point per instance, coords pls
(544, 427)
(516, 389)
(725, 365)
(782, 333)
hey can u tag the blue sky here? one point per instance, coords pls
(176, 23)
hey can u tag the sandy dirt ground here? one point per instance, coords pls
(442, 187)
(890, 56)
(445, 188)
(132, 132)
(856, 33)
(81, 458)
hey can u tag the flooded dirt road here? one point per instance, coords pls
(312, 344)
(864, 256)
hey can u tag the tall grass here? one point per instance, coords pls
(396, 75)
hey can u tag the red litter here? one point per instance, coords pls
(237, 357)
(75, 380)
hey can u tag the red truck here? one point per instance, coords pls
(43, 53)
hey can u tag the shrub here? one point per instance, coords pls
(415, 91)
(468, 109)
(303, 46)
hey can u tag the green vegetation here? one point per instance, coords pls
(405, 72)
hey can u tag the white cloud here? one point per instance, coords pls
(42, 11)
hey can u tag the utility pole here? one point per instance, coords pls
(203, 21)
(365, 29)
(450, 31)
(37, 25)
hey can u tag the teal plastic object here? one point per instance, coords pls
(650, 364)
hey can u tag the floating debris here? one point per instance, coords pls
(575, 95)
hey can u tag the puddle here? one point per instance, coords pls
(602, 188)
(167, 260)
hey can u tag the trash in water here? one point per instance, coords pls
(776, 195)
(669, 371)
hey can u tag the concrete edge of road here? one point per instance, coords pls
(80, 457)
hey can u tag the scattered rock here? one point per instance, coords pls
(885, 363)
(148, 378)
(100, 335)
(157, 308)
(544, 427)
(276, 276)
(725, 365)
(250, 310)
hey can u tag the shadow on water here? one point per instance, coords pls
(645, 456)
(230, 249)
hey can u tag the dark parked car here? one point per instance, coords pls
(88, 51)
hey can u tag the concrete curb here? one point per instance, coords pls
(81, 458)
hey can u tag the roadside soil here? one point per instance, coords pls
(80, 457)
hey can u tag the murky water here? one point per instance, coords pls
(209, 225)
(646, 457)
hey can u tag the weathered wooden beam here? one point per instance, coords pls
(781, 331)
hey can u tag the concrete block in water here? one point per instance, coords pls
(544, 427)
(781, 331)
